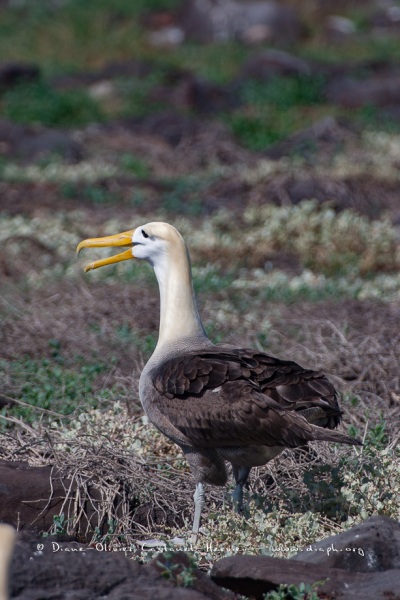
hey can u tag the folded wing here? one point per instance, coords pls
(237, 398)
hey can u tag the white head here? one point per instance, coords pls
(155, 242)
(161, 245)
(152, 242)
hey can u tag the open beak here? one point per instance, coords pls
(120, 239)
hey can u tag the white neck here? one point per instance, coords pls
(179, 315)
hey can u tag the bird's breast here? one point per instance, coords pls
(250, 456)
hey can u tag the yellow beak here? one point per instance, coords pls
(120, 239)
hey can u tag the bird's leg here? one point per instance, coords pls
(199, 501)
(241, 475)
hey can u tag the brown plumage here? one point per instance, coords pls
(236, 397)
(219, 403)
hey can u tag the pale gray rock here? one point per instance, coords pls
(223, 20)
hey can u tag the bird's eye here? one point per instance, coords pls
(144, 234)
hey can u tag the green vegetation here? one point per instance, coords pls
(135, 93)
(97, 194)
(41, 103)
(218, 62)
(134, 165)
(360, 48)
(184, 197)
(285, 92)
(180, 575)
(273, 109)
(73, 36)
(76, 35)
(259, 131)
(123, 8)
(142, 341)
(293, 592)
(369, 117)
(210, 280)
(343, 255)
(51, 384)
(370, 482)
(60, 526)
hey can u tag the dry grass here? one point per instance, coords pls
(357, 343)
(145, 489)
(86, 320)
(144, 483)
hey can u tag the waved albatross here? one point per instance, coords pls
(217, 402)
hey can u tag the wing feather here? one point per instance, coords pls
(236, 397)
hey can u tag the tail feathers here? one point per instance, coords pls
(327, 435)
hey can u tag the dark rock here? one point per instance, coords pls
(31, 496)
(197, 94)
(31, 143)
(374, 545)
(14, 73)
(362, 194)
(380, 90)
(178, 564)
(169, 125)
(45, 568)
(256, 575)
(127, 68)
(158, 19)
(293, 189)
(5, 401)
(389, 113)
(10, 135)
(113, 70)
(221, 20)
(57, 568)
(49, 142)
(147, 591)
(228, 192)
(199, 21)
(272, 63)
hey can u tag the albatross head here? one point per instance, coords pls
(163, 247)
(153, 242)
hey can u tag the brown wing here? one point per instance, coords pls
(303, 390)
(290, 385)
(224, 398)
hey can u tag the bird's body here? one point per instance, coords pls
(219, 403)
(244, 405)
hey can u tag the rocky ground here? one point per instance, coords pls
(363, 562)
